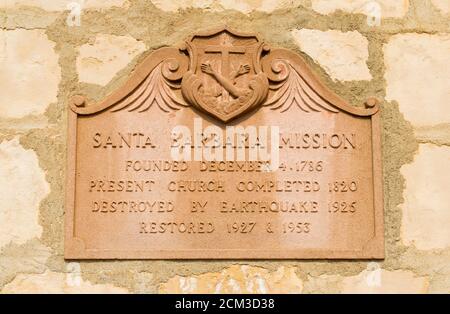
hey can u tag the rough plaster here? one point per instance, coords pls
(156, 28)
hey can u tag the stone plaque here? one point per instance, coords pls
(223, 148)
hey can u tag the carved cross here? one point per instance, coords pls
(225, 50)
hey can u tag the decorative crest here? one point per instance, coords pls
(225, 77)
(225, 74)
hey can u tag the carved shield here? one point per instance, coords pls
(225, 77)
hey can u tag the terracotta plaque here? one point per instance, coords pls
(223, 148)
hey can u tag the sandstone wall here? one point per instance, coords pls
(403, 58)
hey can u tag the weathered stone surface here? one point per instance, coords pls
(342, 55)
(426, 17)
(30, 73)
(384, 281)
(27, 258)
(244, 6)
(62, 5)
(418, 76)
(98, 62)
(371, 280)
(53, 282)
(437, 134)
(237, 279)
(323, 284)
(442, 5)
(23, 186)
(389, 8)
(144, 283)
(26, 123)
(426, 214)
